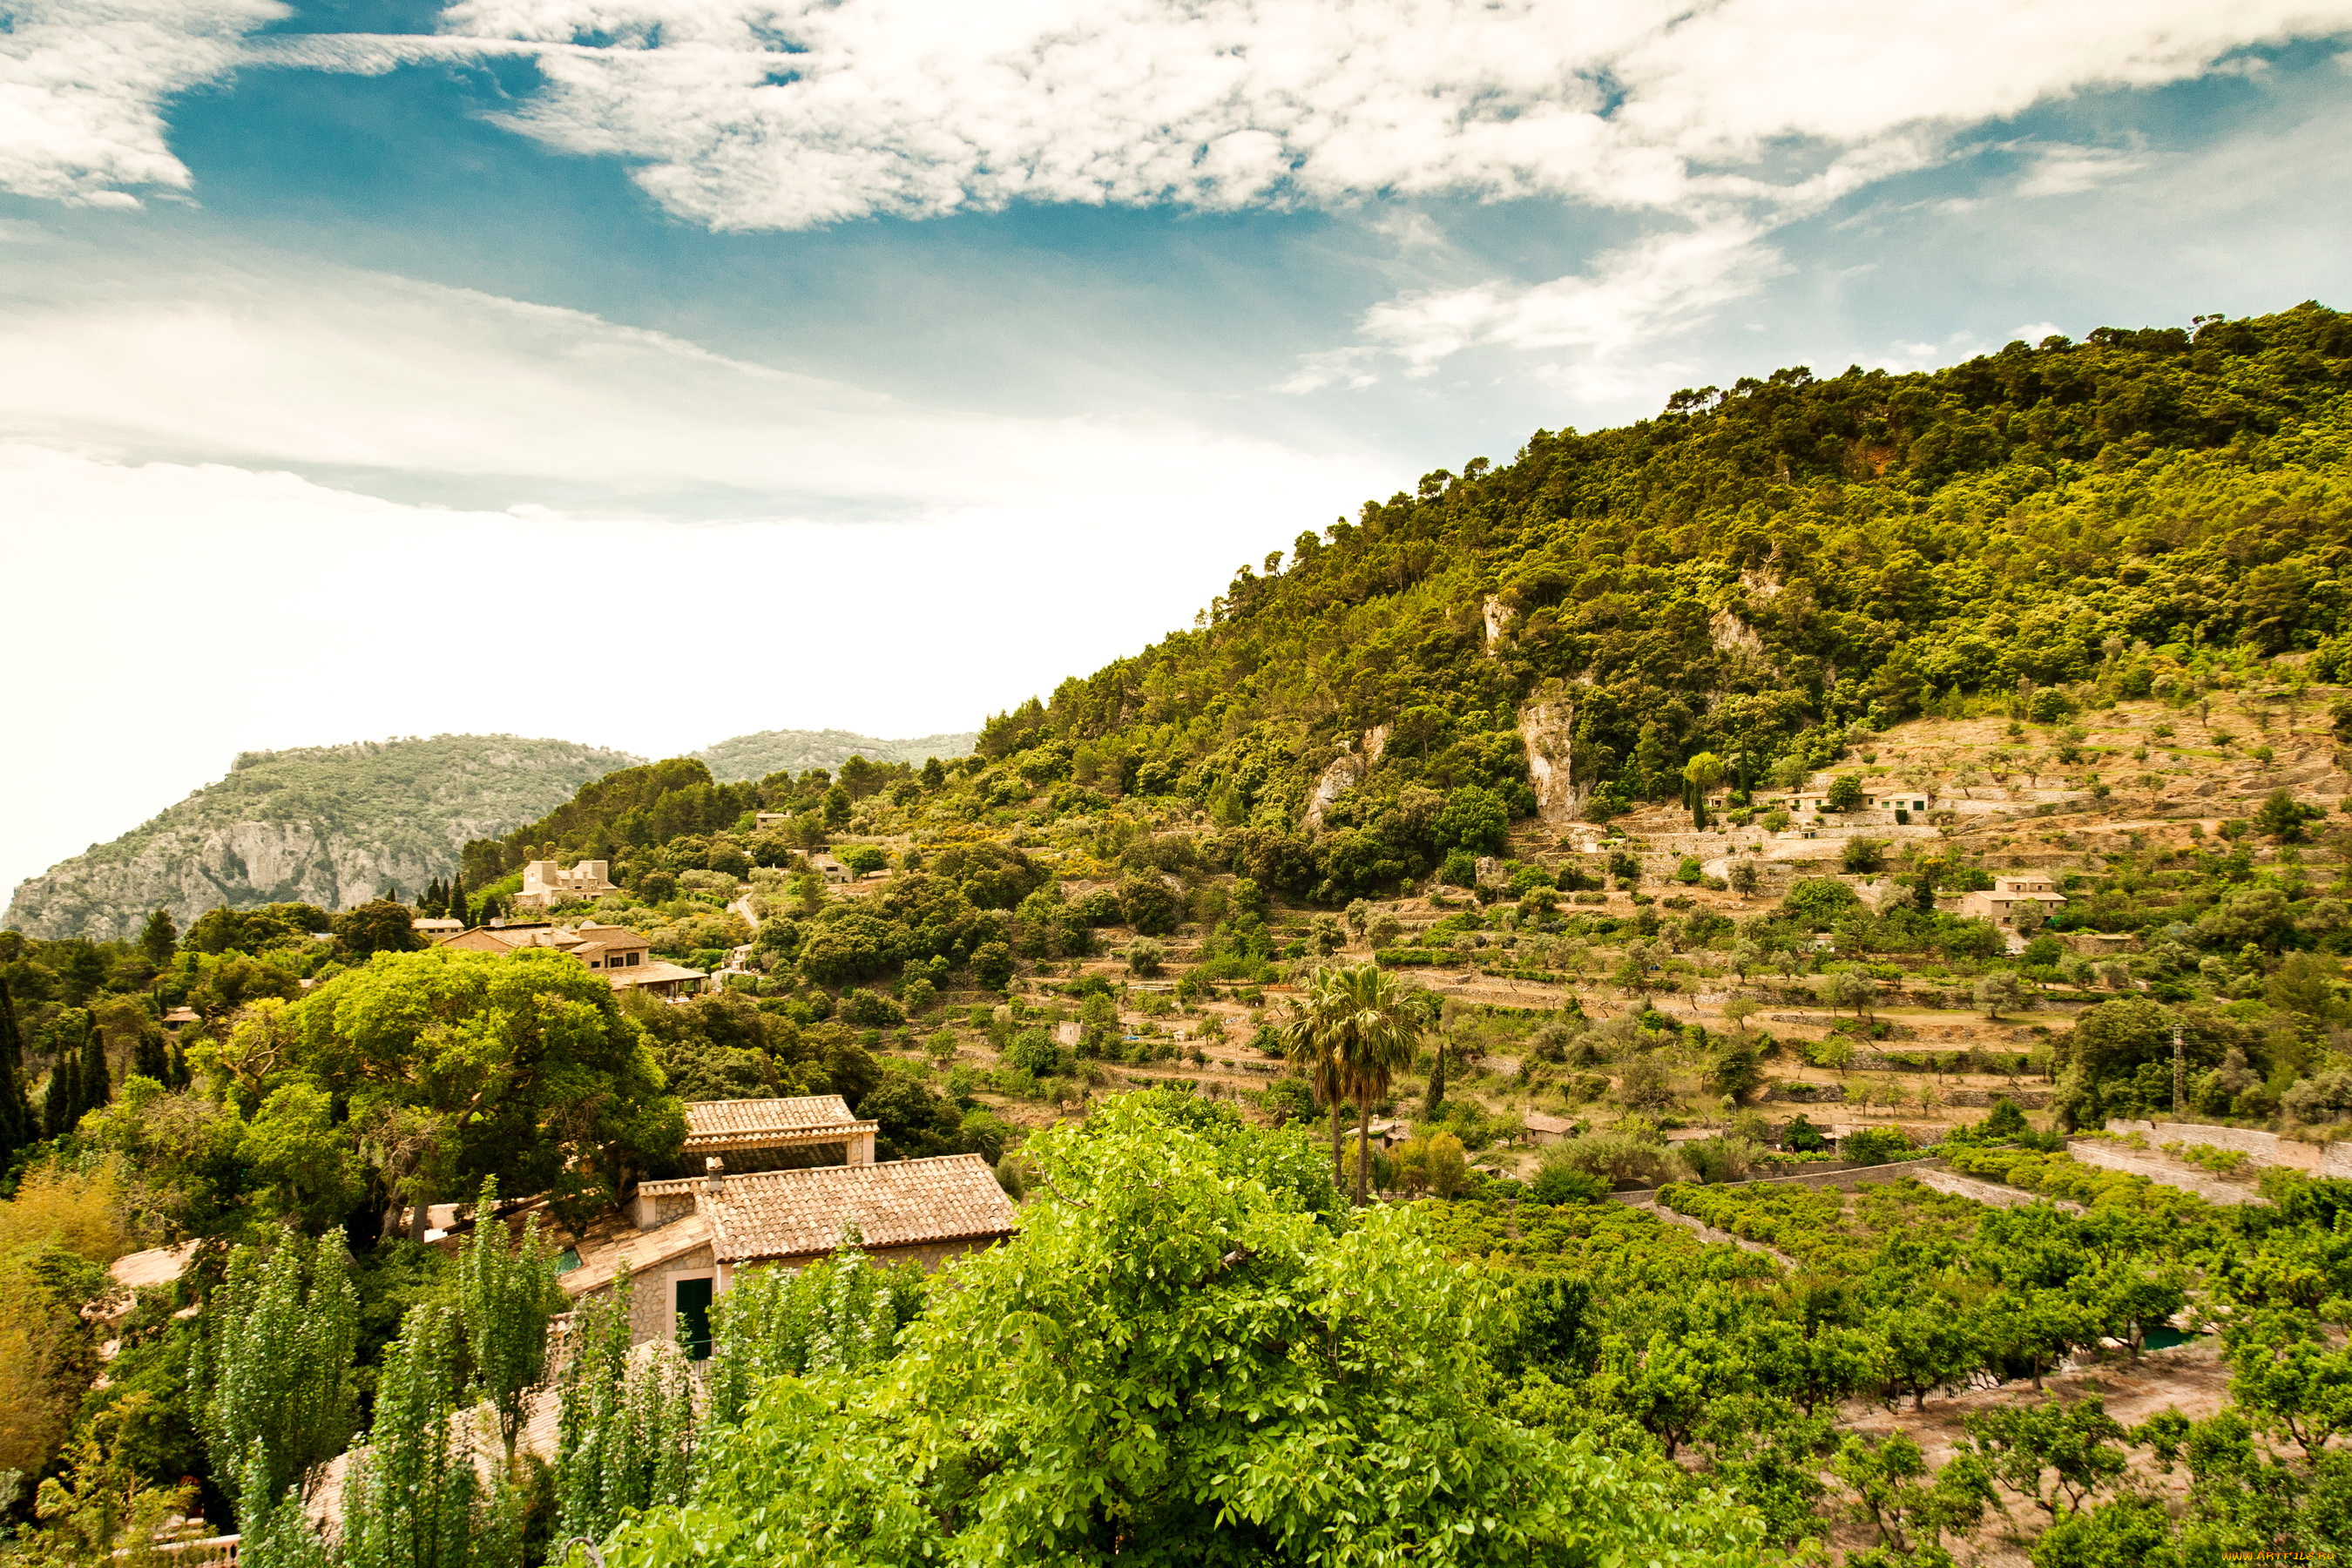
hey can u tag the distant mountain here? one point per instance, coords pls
(797, 751)
(325, 824)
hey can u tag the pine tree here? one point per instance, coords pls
(457, 900)
(272, 1373)
(160, 940)
(18, 1128)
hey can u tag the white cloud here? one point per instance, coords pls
(247, 359)
(751, 113)
(82, 87)
(2059, 170)
(1630, 296)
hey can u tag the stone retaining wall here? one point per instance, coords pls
(2026, 1098)
(1845, 1178)
(2262, 1148)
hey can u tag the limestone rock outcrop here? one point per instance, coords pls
(330, 826)
(1546, 720)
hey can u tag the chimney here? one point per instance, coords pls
(714, 1176)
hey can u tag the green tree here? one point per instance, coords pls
(18, 1127)
(1998, 991)
(1845, 793)
(1910, 1508)
(301, 1159)
(412, 1495)
(1863, 856)
(524, 1064)
(379, 925)
(1148, 904)
(507, 1298)
(992, 965)
(1700, 776)
(2284, 818)
(624, 1422)
(1923, 1345)
(2076, 1444)
(2290, 1375)
(158, 938)
(1177, 1271)
(271, 1374)
(1361, 1018)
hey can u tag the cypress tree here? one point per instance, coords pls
(180, 1077)
(17, 1127)
(151, 1054)
(61, 1106)
(95, 1087)
(457, 899)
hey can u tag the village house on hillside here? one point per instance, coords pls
(2008, 894)
(620, 955)
(693, 1238)
(779, 1134)
(546, 883)
(1878, 794)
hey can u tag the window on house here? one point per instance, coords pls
(692, 1303)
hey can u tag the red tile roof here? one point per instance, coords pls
(903, 1203)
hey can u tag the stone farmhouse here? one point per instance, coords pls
(2008, 894)
(620, 955)
(763, 1200)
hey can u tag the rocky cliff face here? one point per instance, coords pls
(328, 825)
(1546, 721)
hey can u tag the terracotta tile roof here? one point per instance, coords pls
(903, 1203)
(735, 1124)
(612, 1242)
(654, 974)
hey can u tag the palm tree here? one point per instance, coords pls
(1304, 1040)
(1361, 1024)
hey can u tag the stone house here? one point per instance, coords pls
(778, 1134)
(624, 958)
(546, 883)
(692, 1238)
(2008, 894)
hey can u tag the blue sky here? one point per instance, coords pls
(646, 372)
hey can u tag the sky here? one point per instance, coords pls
(649, 372)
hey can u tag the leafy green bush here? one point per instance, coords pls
(1874, 1145)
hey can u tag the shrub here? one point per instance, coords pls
(1819, 901)
(1032, 1050)
(992, 965)
(866, 1010)
(1146, 957)
(1617, 1156)
(1875, 1145)
(1149, 904)
(1560, 1185)
(860, 859)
